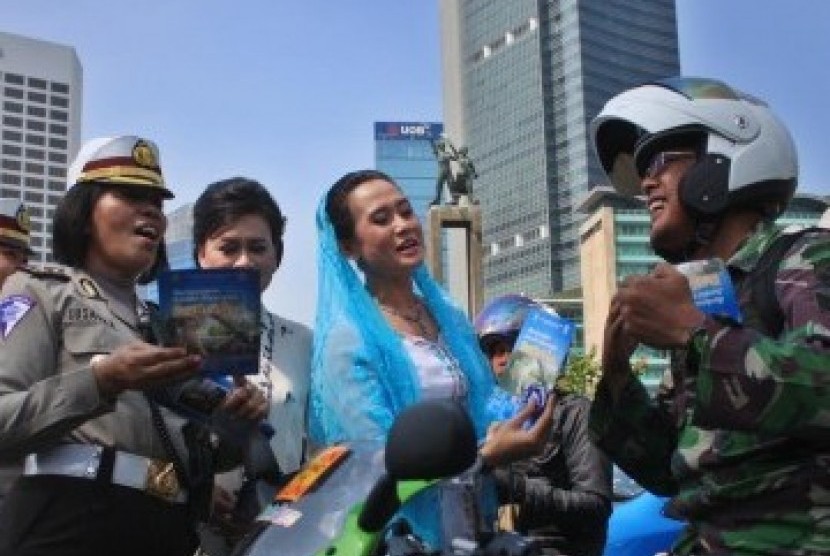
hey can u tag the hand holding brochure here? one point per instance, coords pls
(538, 355)
(712, 288)
(215, 313)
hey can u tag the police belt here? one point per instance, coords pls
(88, 461)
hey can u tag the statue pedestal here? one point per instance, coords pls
(459, 267)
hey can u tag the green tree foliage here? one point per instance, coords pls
(582, 373)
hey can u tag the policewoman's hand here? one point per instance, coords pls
(245, 401)
(140, 366)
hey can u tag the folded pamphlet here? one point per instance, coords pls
(214, 313)
(538, 356)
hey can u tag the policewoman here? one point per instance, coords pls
(106, 470)
(14, 237)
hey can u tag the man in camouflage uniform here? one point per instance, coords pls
(738, 433)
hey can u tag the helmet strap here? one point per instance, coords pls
(705, 229)
(706, 226)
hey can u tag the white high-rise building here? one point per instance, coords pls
(41, 91)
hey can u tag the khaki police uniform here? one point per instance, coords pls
(49, 396)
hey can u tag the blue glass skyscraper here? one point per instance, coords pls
(522, 80)
(404, 151)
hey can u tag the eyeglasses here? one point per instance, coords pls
(658, 163)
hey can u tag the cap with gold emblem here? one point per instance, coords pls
(123, 160)
(14, 224)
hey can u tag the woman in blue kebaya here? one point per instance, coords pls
(387, 336)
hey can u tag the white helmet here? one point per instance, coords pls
(745, 154)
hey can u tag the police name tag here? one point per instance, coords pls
(12, 311)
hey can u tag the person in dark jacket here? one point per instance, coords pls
(563, 498)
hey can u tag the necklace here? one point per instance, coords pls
(415, 315)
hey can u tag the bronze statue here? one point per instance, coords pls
(462, 183)
(459, 184)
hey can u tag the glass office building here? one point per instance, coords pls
(403, 150)
(522, 80)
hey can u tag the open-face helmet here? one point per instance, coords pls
(745, 155)
(502, 318)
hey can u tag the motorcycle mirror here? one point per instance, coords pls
(432, 439)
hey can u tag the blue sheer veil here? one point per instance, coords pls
(354, 347)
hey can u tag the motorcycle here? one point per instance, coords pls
(343, 502)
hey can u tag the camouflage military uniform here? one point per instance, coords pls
(739, 433)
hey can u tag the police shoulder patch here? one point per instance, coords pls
(12, 311)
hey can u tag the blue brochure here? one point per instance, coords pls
(215, 313)
(712, 288)
(539, 355)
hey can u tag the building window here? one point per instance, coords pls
(57, 129)
(57, 157)
(15, 79)
(57, 115)
(56, 172)
(9, 179)
(12, 193)
(12, 121)
(33, 168)
(12, 150)
(57, 143)
(11, 92)
(34, 183)
(36, 97)
(36, 211)
(59, 101)
(13, 107)
(31, 139)
(33, 197)
(10, 135)
(56, 185)
(35, 154)
(55, 199)
(11, 164)
(38, 111)
(36, 83)
(35, 125)
(60, 88)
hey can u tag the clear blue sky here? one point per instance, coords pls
(286, 92)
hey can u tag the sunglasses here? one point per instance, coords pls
(658, 163)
